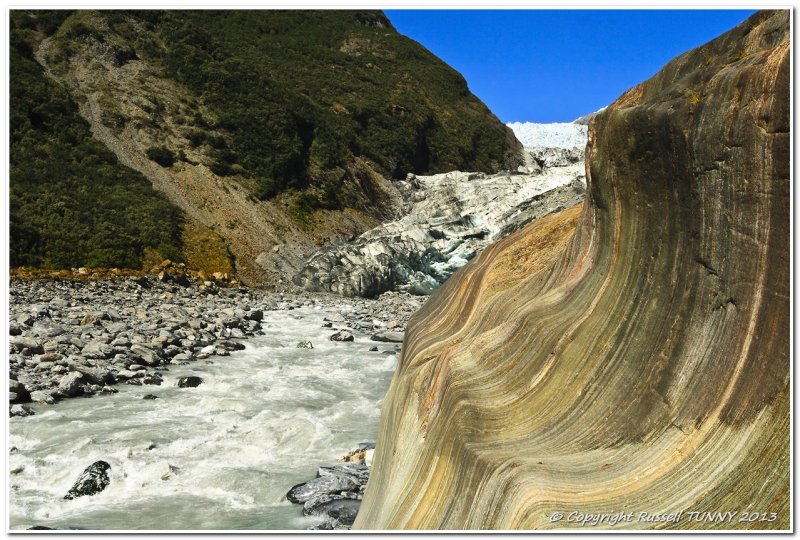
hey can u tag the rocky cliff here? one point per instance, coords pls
(628, 356)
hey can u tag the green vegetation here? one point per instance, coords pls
(280, 101)
(72, 204)
(300, 93)
(161, 155)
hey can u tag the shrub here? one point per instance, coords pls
(161, 155)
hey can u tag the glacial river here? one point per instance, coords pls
(217, 457)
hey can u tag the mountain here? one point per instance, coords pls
(271, 131)
(628, 356)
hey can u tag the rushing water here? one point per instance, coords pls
(217, 457)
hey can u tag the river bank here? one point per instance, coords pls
(218, 456)
(80, 338)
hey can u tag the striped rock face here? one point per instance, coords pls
(629, 355)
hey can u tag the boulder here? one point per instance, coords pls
(93, 375)
(22, 344)
(389, 337)
(42, 396)
(191, 381)
(356, 471)
(21, 394)
(323, 485)
(343, 508)
(19, 409)
(91, 481)
(342, 335)
(97, 349)
(153, 379)
(71, 384)
(150, 357)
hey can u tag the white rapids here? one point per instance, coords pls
(217, 457)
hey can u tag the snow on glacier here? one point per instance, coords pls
(556, 135)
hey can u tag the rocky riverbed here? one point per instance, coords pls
(205, 405)
(80, 338)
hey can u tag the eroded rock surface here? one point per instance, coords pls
(629, 353)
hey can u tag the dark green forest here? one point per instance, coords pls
(71, 202)
(303, 92)
(298, 95)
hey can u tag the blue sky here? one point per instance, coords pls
(556, 65)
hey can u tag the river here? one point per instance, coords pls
(217, 457)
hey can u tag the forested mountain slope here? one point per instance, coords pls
(276, 130)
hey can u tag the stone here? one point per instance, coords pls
(150, 357)
(50, 357)
(342, 335)
(71, 384)
(304, 345)
(97, 349)
(127, 374)
(88, 320)
(21, 394)
(342, 508)
(94, 375)
(320, 486)
(21, 410)
(24, 344)
(48, 329)
(41, 396)
(389, 337)
(191, 381)
(355, 471)
(91, 481)
(153, 379)
(150, 396)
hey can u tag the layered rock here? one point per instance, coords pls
(630, 355)
(449, 218)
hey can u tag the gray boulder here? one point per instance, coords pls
(71, 384)
(343, 508)
(92, 480)
(20, 410)
(42, 396)
(342, 335)
(324, 485)
(191, 381)
(22, 344)
(389, 337)
(150, 357)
